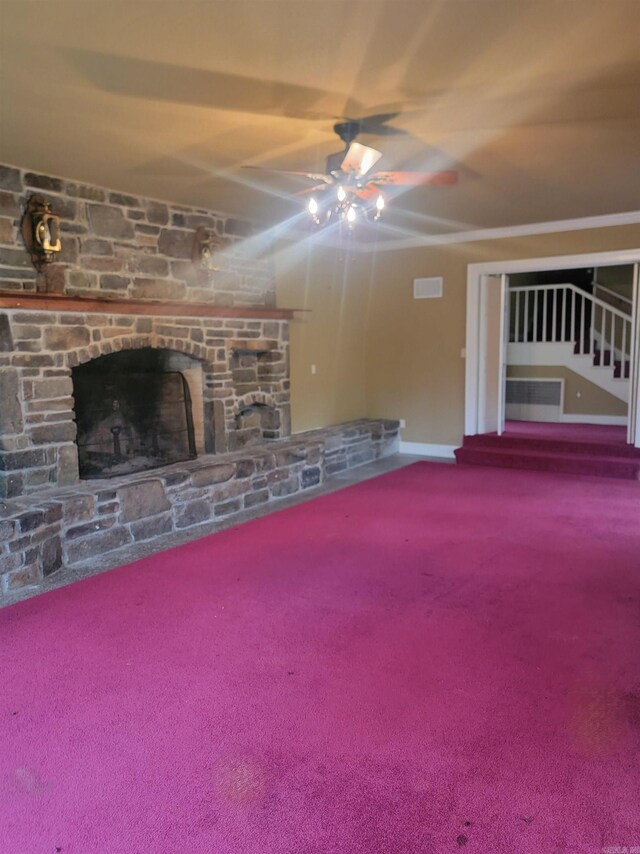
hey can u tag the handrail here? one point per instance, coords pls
(563, 313)
(575, 289)
(613, 293)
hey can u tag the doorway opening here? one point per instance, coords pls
(554, 340)
(569, 346)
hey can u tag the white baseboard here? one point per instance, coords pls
(423, 449)
(617, 420)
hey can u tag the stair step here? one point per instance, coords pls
(492, 441)
(617, 370)
(601, 358)
(565, 463)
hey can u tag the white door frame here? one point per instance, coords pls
(474, 355)
(492, 345)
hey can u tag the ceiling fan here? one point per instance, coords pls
(347, 189)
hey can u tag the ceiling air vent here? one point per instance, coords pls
(427, 288)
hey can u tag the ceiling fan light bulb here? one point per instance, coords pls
(351, 215)
(380, 203)
(341, 193)
(312, 206)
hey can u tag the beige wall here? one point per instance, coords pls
(381, 353)
(329, 335)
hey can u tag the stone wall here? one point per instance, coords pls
(65, 528)
(122, 246)
(117, 246)
(243, 361)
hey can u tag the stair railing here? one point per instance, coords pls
(603, 289)
(564, 313)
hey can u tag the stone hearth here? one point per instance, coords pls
(39, 534)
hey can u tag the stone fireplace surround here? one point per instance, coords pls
(125, 282)
(244, 363)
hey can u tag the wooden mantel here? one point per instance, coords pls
(27, 300)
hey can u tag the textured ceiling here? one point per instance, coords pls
(535, 102)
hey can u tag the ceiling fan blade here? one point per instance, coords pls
(320, 177)
(368, 192)
(417, 179)
(359, 159)
(308, 190)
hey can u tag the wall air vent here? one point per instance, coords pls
(430, 288)
(534, 399)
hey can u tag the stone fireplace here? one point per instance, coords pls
(140, 394)
(94, 395)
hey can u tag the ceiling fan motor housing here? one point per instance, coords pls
(348, 131)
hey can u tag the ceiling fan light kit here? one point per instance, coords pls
(343, 206)
(349, 191)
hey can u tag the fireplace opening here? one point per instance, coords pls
(133, 412)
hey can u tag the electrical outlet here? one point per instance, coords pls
(403, 423)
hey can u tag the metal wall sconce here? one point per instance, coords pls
(202, 250)
(41, 231)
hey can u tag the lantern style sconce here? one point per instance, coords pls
(202, 250)
(41, 231)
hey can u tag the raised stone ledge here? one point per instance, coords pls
(58, 529)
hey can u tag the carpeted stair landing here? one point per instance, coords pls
(586, 452)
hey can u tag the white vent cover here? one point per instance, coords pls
(542, 392)
(430, 288)
(534, 399)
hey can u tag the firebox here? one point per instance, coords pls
(133, 412)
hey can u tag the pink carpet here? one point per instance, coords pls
(443, 658)
(587, 449)
(607, 433)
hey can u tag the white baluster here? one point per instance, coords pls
(574, 333)
(613, 339)
(563, 331)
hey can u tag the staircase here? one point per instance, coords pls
(562, 325)
(585, 450)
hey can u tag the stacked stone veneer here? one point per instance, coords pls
(66, 528)
(123, 246)
(243, 362)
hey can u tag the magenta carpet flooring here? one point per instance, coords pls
(609, 434)
(442, 658)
